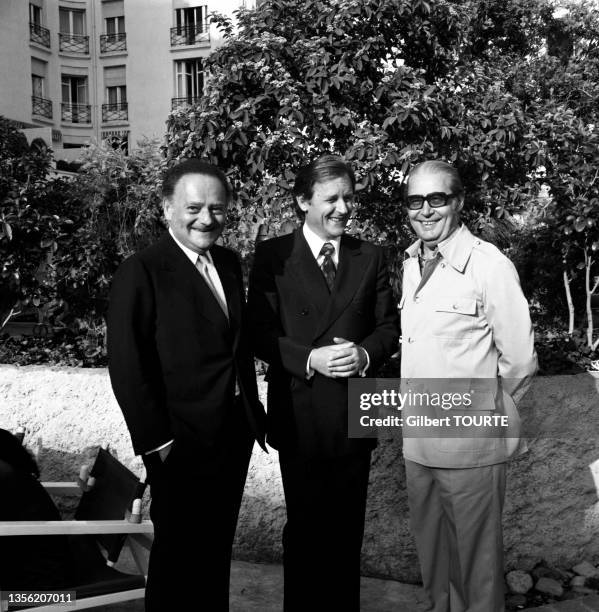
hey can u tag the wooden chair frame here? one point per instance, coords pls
(139, 540)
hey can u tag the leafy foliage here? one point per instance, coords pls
(30, 221)
(65, 240)
(506, 90)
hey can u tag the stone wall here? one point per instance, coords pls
(551, 508)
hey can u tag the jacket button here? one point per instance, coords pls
(410, 340)
(442, 265)
(455, 306)
(477, 242)
(304, 312)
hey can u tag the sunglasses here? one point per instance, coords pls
(436, 199)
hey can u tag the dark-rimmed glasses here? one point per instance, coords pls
(437, 199)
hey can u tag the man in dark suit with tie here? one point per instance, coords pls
(183, 374)
(322, 311)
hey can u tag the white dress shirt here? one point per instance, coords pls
(315, 243)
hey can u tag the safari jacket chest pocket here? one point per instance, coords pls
(453, 317)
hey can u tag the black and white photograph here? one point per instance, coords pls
(299, 305)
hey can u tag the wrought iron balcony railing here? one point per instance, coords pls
(74, 43)
(184, 102)
(76, 113)
(198, 34)
(41, 107)
(115, 112)
(113, 42)
(38, 34)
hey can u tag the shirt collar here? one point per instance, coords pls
(315, 242)
(191, 255)
(456, 249)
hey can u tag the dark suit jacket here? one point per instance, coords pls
(172, 354)
(292, 312)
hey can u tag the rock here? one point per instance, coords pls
(592, 583)
(516, 601)
(549, 587)
(543, 571)
(577, 581)
(519, 582)
(583, 590)
(586, 569)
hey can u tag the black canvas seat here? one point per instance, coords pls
(101, 521)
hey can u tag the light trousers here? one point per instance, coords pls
(455, 516)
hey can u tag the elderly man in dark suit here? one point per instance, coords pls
(183, 374)
(322, 311)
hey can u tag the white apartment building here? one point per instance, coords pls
(76, 70)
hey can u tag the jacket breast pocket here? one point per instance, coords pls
(454, 316)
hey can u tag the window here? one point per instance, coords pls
(189, 79)
(115, 38)
(37, 85)
(35, 14)
(72, 21)
(192, 16)
(115, 25)
(37, 32)
(191, 26)
(72, 35)
(116, 95)
(40, 106)
(115, 108)
(75, 106)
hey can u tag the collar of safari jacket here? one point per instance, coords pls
(456, 249)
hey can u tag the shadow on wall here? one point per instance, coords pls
(61, 466)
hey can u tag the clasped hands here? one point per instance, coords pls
(340, 360)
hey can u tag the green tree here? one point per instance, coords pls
(560, 97)
(495, 87)
(30, 222)
(114, 204)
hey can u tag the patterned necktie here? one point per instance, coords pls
(328, 265)
(203, 265)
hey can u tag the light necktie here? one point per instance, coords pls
(328, 265)
(206, 270)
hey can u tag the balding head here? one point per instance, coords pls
(438, 166)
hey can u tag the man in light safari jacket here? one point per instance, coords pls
(463, 317)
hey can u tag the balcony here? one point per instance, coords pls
(113, 42)
(177, 103)
(73, 43)
(41, 107)
(198, 34)
(115, 112)
(76, 113)
(38, 34)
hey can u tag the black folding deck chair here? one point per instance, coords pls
(102, 519)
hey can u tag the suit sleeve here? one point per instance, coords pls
(133, 361)
(269, 339)
(381, 343)
(508, 317)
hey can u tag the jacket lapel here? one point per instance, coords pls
(352, 265)
(186, 278)
(303, 267)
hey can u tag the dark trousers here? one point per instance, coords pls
(456, 519)
(322, 539)
(196, 495)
